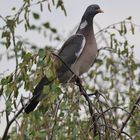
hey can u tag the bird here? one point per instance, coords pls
(78, 53)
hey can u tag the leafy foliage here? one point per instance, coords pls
(112, 84)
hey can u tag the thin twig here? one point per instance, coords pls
(10, 122)
(127, 135)
(20, 11)
(16, 55)
(55, 120)
(102, 34)
(117, 131)
(101, 108)
(129, 115)
(117, 23)
(7, 116)
(109, 109)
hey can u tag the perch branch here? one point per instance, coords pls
(93, 115)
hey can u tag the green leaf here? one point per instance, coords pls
(111, 39)
(27, 56)
(49, 7)
(125, 43)
(97, 137)
(33, 47)
(125, 51)
(40, 63)
(6, 80)
(46, 89)
(53, 2)
(61, 114)
(15, 90)
(56, 89)
(5, 34)
(41, 135)
(11, 24)
(32, 27)
(36, 16)
(52, 98)
(125, 29)
(19, 44)
(8, 106)
(61, 4)
(129, 18)
(41, 53)
(132, 29)
(10, 78)
(46, 25)
(121, 29)
(53, 30)
(14, 8)
(49, 73)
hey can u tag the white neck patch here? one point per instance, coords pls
(83, 24)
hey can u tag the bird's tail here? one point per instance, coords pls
(31, 105)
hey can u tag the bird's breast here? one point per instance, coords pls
(86, 59)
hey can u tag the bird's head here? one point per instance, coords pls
(91, 11)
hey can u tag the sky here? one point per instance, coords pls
(114, 11)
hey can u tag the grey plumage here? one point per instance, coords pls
(68, 53)
(78, 52)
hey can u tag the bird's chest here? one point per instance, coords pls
(87, 57)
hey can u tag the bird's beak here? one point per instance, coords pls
(99, 11)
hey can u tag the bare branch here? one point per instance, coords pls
(16, 56)
(90, 105)
(129, 116)
(55, 116)
(10, 122)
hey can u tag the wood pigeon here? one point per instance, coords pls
(78, 53)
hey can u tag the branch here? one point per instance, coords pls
(102, 34)
(20, 11)
(103, 113)
(10, 122)
(55, 118)
(129, 116)
(130, 137)
(16, 55)
(93, 115)
(101, 108)
(114, 24)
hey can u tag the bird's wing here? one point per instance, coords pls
(70, 51)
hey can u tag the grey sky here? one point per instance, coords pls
(115, 10)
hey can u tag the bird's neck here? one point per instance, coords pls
(86, 27)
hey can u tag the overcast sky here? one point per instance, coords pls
(114, 11)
